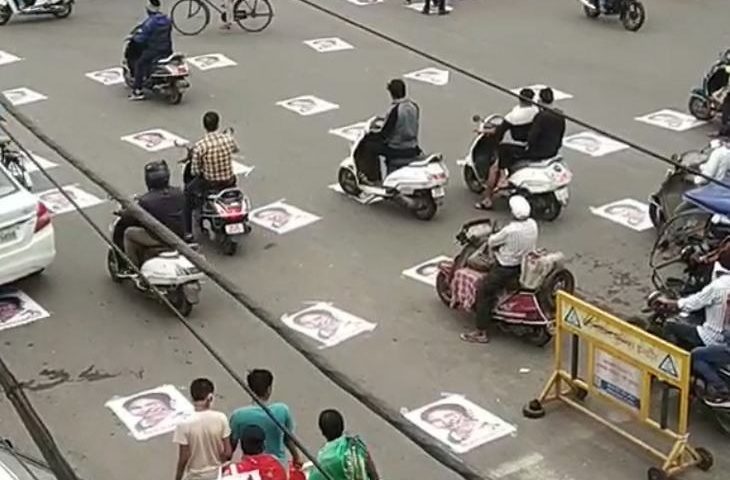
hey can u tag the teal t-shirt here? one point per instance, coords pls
(255, 415)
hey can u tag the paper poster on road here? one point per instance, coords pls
(617, 379)
(327, 325)
(17, 308)
(23, 96)
(329, 44)
(31, 167)
(306, 105)
(211, 61)
(350, 132)
(7, 58)
(57, 202)
(107, 77)
(671, 120)
(434, 76)
(152, 412)
(154, 140)
(459, 423)
(427, 271)
(593, 144)
(364, 3)
(281, 217)
(418, 7)
(627, 212)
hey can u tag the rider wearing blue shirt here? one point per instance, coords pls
(154, 39)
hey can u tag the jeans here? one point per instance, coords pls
(683, 335)
(497, 280)
(705, 363)
(510, 153)
(143, 67)
(194, 190)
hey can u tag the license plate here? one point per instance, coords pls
(8, 235)
(438, 192)
(234, 228)
(562, 195)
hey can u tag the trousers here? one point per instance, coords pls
(498, 278)
(136, 242)
(707, 360)
(683, 335)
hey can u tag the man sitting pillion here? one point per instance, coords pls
(163, 202)
(510, 245)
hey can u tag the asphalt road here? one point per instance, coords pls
(353, 256)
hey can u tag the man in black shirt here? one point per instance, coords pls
(163, 202)
(545, 137)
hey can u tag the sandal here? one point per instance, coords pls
(475, 337)
(483, 206)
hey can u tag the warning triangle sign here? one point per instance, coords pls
(667, 366)
(572, 318)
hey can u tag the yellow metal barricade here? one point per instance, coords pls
(620, 364)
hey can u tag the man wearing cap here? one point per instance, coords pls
(254, 459)
(153, 40)
(509, 245)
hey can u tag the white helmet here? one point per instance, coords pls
(520, 207)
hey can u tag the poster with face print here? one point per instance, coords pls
(326, 324)
(459, 423)
(306, 105)
(31, 167)
(364, 3)
(17, 308)
(153, 412)
(241, 169)
(350, 132)
(154, 140)
(557, 94)
(23, 96)
(363, 199)
(434, 76)
(592, 144)
(57, 203)
(418, 6)
(329, 44)
(671, 120)
(109, 76)
(280, 217)
(426, 272)
(211, 61)
(627, 212)
(7, 58)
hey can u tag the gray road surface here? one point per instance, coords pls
(353, 256)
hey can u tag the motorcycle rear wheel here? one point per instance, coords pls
(5, 14)
(229, 247)
(427, 210)
(181, 304)
(65, 12)
(443, 288)
(539, 337)
(591, 12)
(546, 206)
(633, 16)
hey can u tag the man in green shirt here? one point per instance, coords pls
(261, 381)
(343, 457)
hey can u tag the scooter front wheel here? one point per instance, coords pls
(64, 11)
(700, 108)
(348, 182)
(634, 16)
(591, 12)
(472, 180)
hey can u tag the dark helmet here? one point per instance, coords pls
(157, 175)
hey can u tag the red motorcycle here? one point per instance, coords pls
(525, 309)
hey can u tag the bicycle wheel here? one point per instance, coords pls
(190, 17)
(253, 15)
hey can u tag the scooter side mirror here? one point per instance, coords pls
(476, 118)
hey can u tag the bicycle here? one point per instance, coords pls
(245, 13)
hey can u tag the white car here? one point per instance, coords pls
(27, 241)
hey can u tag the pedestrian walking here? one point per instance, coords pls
(440, 4)
(261, 382)
(203, 438)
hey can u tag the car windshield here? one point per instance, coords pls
(6, 184)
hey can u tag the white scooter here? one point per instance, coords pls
(57, 8)
(166, 270)
(543, 183)
(417, 184)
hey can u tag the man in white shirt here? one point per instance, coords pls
(203, 438)
(713, 299)
(718, 163)
(510, 245)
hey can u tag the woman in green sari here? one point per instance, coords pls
(343, 457)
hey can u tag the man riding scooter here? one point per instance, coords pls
(398, 139)
(151, 42)
(211, 166)
(510, 245)
(713, 299)
(517, 123)
(163, 202)
(545, 137)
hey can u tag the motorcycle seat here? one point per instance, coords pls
(229, 194)
(536, 163)
(172, 58)
(419, 161)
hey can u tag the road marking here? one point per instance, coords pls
(514, 466)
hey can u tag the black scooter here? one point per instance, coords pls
(631, 12)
